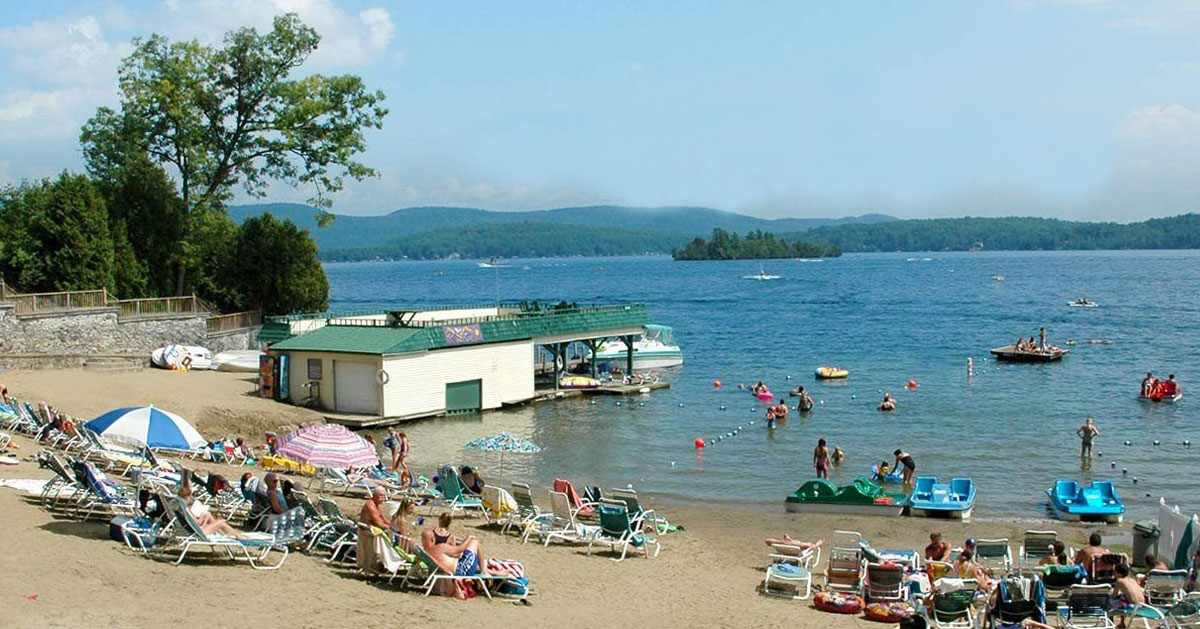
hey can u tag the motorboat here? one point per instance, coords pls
(1097, 502)
(181, 357)
(1083, 302)
(761, 276)
(862, 497)
(654, 348)
(491, 264)
(1011, 354)
(949, 500)
(831, 373)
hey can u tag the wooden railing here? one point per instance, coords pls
(234, 321)
(156, 306)
(30, 303)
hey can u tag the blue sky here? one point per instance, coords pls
(1084, 109)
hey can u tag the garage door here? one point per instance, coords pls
(464, 397)
(354, 387)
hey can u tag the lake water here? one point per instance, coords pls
(887, 318)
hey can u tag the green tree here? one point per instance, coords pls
(58, 237)
(278, 269)
(142, 203)
(230, 115)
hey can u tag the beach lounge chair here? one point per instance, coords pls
(583, 509)
(433, 575)
(565, 524)
(377, 556)
(1017, 599)
(1034, 547)
(1165, 588)
(952, 600)
(338, 482)
(618, 531)
(528, 516)
(63, 484)
(885, 583)
(254, 550)
(791, 566)
(453, 498)
(994, 555)
(1103, 569)
(1058, 580)
(654, 523)
(1087, 607)
(846, 567)
(99, 496)
(344, 545)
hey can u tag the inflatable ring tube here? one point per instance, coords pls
(892, 614)
(382, 377)
(838, 604)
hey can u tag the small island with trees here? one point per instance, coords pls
(756, 245)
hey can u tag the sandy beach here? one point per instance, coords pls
(60, 572)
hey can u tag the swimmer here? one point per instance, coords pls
(821, 459)
(888, 403)
(806, 402)
(838, 455)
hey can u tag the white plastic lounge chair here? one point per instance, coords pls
(791, 566)
(1164, 588)
(236, 549)
(434, 575)
(994, 555)
(619, 532)
(1034, 548)
(528, 517)
(566, 526)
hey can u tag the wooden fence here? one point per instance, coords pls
(234, 321)
(156, 306)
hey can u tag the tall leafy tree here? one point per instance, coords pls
(277, 267)
(234, 115)
(58, 236)
(144, 206)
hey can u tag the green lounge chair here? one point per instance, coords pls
(1087, 606)
(995, 556)
(1034, 548)
(618, 532)
(952, 600)
(653, 522)
(452, 496)
(528, 517)
(885, 583)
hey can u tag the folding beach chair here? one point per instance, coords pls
(528, 517)
(565, 525)
(885, 583)
(583, 509)
(100, 496)
(452, 496)
(498, 505)
(1103, 568)
(1034, 547)
(994, 555)
(254, 550)
(1087, 607)
(1165, 588)
(791, 566)
(618, 531)
(1018, 599)
(1058, 580)
(952, 600)
(654, 523)
(846, 567)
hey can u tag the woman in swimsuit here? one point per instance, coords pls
(821, 459)
(910, 466)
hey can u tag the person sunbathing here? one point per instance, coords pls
(208, 522)
(1057, 555)
(401, 524)
(461, 559)
(968, 569)
(472, 482)
(1089, 553)
(372, 510)
(787, 540)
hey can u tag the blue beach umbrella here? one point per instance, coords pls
(147, 426)
(502, 443)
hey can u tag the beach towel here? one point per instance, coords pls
(26, 485)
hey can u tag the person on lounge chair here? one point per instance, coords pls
(372, 510)
(938, 548)
(401, 525)
(967, 568)
(461, 559)
(1094, 549)
(1126, 593)
(787, 540)
(208, 522)
(472, 482)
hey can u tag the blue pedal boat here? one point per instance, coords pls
(942, 500)
(1097, 502)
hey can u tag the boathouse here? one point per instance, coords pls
(403, 364)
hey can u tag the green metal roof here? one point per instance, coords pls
(273, 332)
(378, 337)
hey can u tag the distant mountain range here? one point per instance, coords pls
(436, 231)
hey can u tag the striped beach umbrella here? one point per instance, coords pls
(147, 426)
(328, 445)
(503, 442)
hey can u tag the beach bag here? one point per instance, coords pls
(464, 590)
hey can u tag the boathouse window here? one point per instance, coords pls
(314, 368)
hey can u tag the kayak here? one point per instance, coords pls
(831, 373)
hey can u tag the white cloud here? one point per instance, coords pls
(1169, 123)
(63, 53)
(347, 39)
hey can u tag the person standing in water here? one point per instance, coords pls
(910, 466)
(1087, 432)
(821, 459)
(806, 402)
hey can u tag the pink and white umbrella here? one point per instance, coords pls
(328, 445)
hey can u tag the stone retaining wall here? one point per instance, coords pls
(75, 335)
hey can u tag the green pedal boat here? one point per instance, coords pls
(862, 497)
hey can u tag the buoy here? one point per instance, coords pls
(1100, 454)
(681, 405)
(699, 443)
(1124, 470)
(1187, 442)
(593, 401)
(1134, 480)
(1147, 494)
(753, 409)
(1156, 442)
(751, 423)
(789, 377)
(716, 384)
(672, 463)
(1126, 443)
(912, 384)
(722, 408)
(822, 402)
(1114, 465)
(618, 403)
